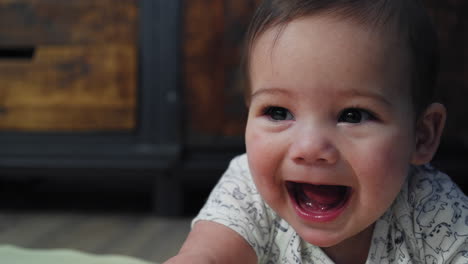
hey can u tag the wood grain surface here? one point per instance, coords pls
(145, 237)
(47, 22)
(82, 75)
(70, 88)
(212, 41)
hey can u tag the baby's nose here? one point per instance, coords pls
(314, 146)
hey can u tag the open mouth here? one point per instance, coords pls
(320, 203)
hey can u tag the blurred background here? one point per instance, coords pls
(118, 117)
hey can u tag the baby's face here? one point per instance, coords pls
(330, 132)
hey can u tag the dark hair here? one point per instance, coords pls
(408, 17)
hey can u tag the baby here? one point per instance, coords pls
(341, 127)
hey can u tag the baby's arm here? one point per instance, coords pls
(210, 242)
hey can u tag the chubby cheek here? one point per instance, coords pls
(265, 156)
(382, 175)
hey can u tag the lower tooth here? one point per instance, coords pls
(323, 207)
(320, 207)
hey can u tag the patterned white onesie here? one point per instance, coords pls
(427, 223)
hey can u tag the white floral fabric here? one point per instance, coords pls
(427, 223)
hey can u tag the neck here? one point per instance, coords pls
(353, 250)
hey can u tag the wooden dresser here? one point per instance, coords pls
(86, 83)
(89, 88)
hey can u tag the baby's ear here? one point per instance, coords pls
(429, 129)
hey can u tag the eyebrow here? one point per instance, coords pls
(356, 93)
(347, 93)
(270, 91)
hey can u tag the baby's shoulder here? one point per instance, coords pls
(429, 188)
(437, 216)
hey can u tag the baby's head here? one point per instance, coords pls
(401, 20)
(340, 106)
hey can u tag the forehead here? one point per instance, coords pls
(328, 52)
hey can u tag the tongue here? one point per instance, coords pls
(324, 194)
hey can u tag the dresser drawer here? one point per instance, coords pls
(68, 65)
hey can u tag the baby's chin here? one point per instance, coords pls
(321, 238)
(331, 238)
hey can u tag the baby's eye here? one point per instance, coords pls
(278, 113)
(355, 115)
